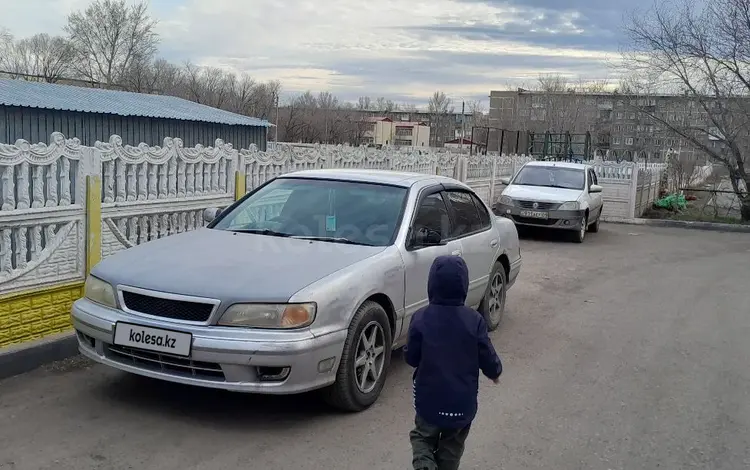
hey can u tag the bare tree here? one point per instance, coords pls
(6, 45)
(408, 107)
(478, 130)
(109, 36)
(439, 106)
(168, 78)
(364, 103)
(703, 51)
(40, 57)
(558, 109)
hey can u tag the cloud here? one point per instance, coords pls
(386, 47)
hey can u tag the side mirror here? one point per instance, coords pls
(505, 181)
(210, 214)
(595, 188)
(426, 237)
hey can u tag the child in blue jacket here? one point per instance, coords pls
(448, 345)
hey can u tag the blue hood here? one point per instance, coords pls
(449, 281)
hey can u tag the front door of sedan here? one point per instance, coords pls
(596, 202)
(431, 214)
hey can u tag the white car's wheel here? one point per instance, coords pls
(580, 234)
(594, 228)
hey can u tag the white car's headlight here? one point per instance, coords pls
(506, 200)
(279, 316)
(100, 292)
(569, 206)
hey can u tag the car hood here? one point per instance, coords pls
(229, 266)
(542, 194)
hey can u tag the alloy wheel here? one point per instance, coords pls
(496, 298)
(370, 357)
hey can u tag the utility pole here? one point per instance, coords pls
(463, 125)
(277, 118)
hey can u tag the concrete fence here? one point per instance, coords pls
(64, 206)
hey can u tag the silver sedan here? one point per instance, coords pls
(308, 282)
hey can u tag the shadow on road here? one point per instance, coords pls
(545, 235)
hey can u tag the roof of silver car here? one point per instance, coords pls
(397, 178)
(578, 166)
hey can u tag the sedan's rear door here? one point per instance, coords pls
(472, 226)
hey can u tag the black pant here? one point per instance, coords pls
(435, 448)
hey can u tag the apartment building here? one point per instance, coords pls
(386, 131)
(616, 123)
(443, 127)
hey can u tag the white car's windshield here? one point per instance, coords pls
(336, 211)
(551, 177)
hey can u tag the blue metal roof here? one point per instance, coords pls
(123, 103)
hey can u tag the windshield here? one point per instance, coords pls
(551, 177)
(336, 211)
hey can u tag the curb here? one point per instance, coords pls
(22, 358)
(708, 226)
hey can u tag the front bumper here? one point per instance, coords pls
(225, 358)
(564, 220)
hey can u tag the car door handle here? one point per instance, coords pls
(456, 253)
(493, 243)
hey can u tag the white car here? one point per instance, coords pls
(556, 195)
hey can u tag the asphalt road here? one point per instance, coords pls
(630, 351)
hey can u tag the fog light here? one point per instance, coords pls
(507, 211)
(326, 365)
(272, 374)
(566, 222)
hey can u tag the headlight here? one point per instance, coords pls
(569, 206)
(100, 292)
(281, 316)
(506, 200)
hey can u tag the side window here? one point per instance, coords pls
(484, 215)
(465, 215)
(433, 215)
(593, 177)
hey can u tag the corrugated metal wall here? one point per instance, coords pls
(36, 125)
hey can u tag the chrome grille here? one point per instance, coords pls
(167, 308)
(542, 206)
(172, 365)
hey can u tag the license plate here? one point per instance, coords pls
(153, 339)
(535, 214)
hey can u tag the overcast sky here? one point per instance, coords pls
(402, 49)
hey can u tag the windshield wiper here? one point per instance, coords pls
(265, 231)
(343, 240)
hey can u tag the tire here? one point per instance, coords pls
(494, 317)
(346, 394)
(580, 234)
(594, 228)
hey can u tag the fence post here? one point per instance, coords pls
(240, 181)
(328, 160)
(633, 190)
(492, 180)
(92, 168)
